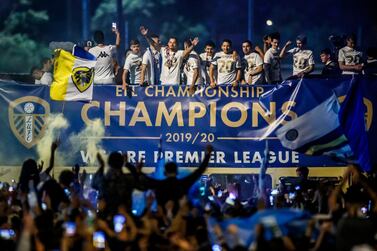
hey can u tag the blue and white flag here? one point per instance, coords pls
(330, 128)
(352, 118)
(317, 131)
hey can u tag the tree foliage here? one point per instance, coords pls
(19, 42)
(161, 16)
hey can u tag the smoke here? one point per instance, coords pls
(55, 124)
(88, 140)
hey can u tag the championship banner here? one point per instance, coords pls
(235, 121)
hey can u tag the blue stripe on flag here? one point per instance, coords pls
(81, 53)
(352, 119)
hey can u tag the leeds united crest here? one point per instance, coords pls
(27, 119)
(82, 78)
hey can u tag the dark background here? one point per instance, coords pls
(27, 26)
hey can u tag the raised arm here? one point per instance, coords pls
(333, 198)
(150, 41)
(189, 49)
(144, 181)
(357, 176)
(259, 51)
(54, 146)
(117, 38)
(131, 168)
(97, 182)
(283, 50)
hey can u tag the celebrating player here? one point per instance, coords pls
(228, 66)
(172, 58)
(192, 68)
(272, 59)
(150, 68)
(303, 61)
(349, 58)
(252, 64)
(132, 65)
(206, 59)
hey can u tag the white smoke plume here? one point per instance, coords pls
(55, 124)
(88, 140)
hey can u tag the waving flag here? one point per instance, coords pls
(73, 75)
(352, 119)
(316, 132)
(331, 129)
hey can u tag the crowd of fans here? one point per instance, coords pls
(169, 65)
(81, 211)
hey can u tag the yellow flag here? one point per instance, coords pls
(73, 75)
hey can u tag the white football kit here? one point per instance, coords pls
(301, 59)
(171, 66)
(349, 56)
(133, 66)
(250, 63)
(103, 71)
(226, 67)
(191, 64)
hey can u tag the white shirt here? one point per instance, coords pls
(226, 67)
(349, 56)
(251, 62)
(46, 79)
(272, 57)
(191, 64)
(301, 59)
(206, 63)
(103, 71)
(133, 66)
(171, 66)
(151, 59)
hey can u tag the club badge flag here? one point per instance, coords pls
(73, 75)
